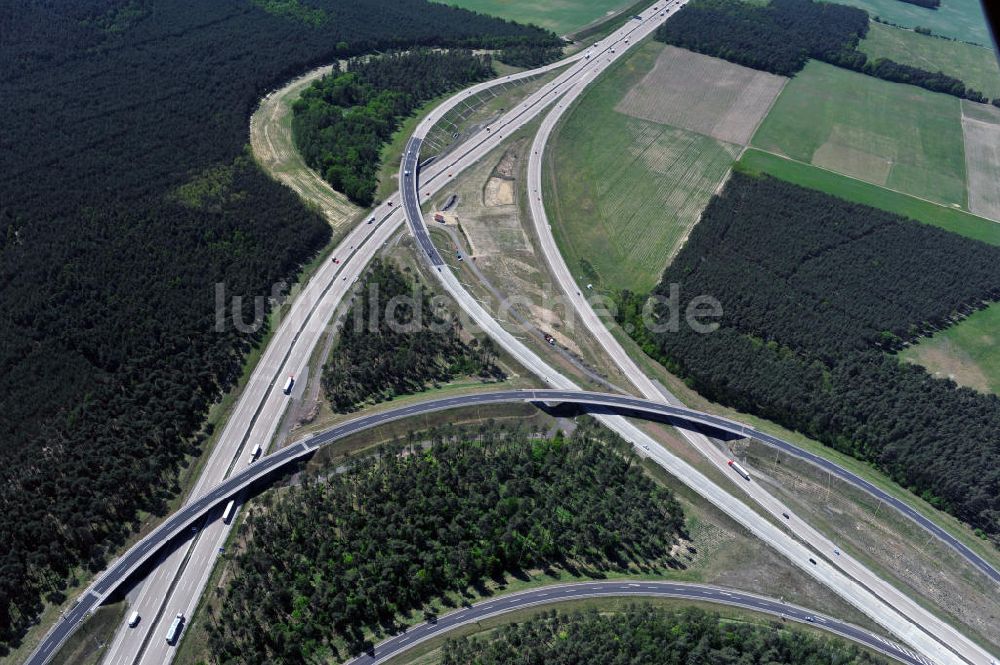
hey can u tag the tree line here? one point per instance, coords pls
(643, 634)
(781, 36)
(442, 513)
(125, 197)
(395, 341)
(530, 56)
(815, 292)
(342, 122)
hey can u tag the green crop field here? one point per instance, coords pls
(560, 16)
(976, 65)
(958, 19)
(945, 217)
(891, 134)
(968, 352)
(622, 192)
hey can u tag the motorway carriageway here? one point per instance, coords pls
(384, 215)
(559, 593)
(211, 502)
(868, 592)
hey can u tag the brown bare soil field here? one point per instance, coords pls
(981, 129)
(703, 94)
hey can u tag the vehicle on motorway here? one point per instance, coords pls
(785, 515)
(810, 619)
(289, 382)
(134, 619)
(372, 220)
(255, 453)
(227, 514)
(175, 629)
(739, 469)
(406, 172)
(812, 561)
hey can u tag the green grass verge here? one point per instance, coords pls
(852, 189)
(891, 134)
(976, 65)
(87, 645)
(958, 19)
(968, 352)
(623, 192)
(560, 16)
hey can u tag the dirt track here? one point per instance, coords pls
(274, 149)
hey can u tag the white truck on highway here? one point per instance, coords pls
(227, 514)
(289, 382)
(739, 469)
(255, 453)
(175, 629)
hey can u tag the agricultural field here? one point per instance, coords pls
(946, 217)
(703, 94)
(625, 190)
(968, 352)
(976, 65)
(981, 127)
(889, 134)
(958, 19)
(560, 16)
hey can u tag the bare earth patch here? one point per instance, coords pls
(945, 360)
(981, 129)
(498, 192)
(703, 94)
(274, 149)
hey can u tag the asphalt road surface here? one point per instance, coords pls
(399, 644)
(647, 388)
(932, 637)
(177, 582)
(210, 504)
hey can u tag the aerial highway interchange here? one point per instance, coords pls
(176, 583)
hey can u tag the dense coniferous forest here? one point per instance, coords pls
(781, 36)
(342, 121)
(647, 635)
(530, 56)
(442, 513)
(125, 196)
(815, 290)
(396, 342)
